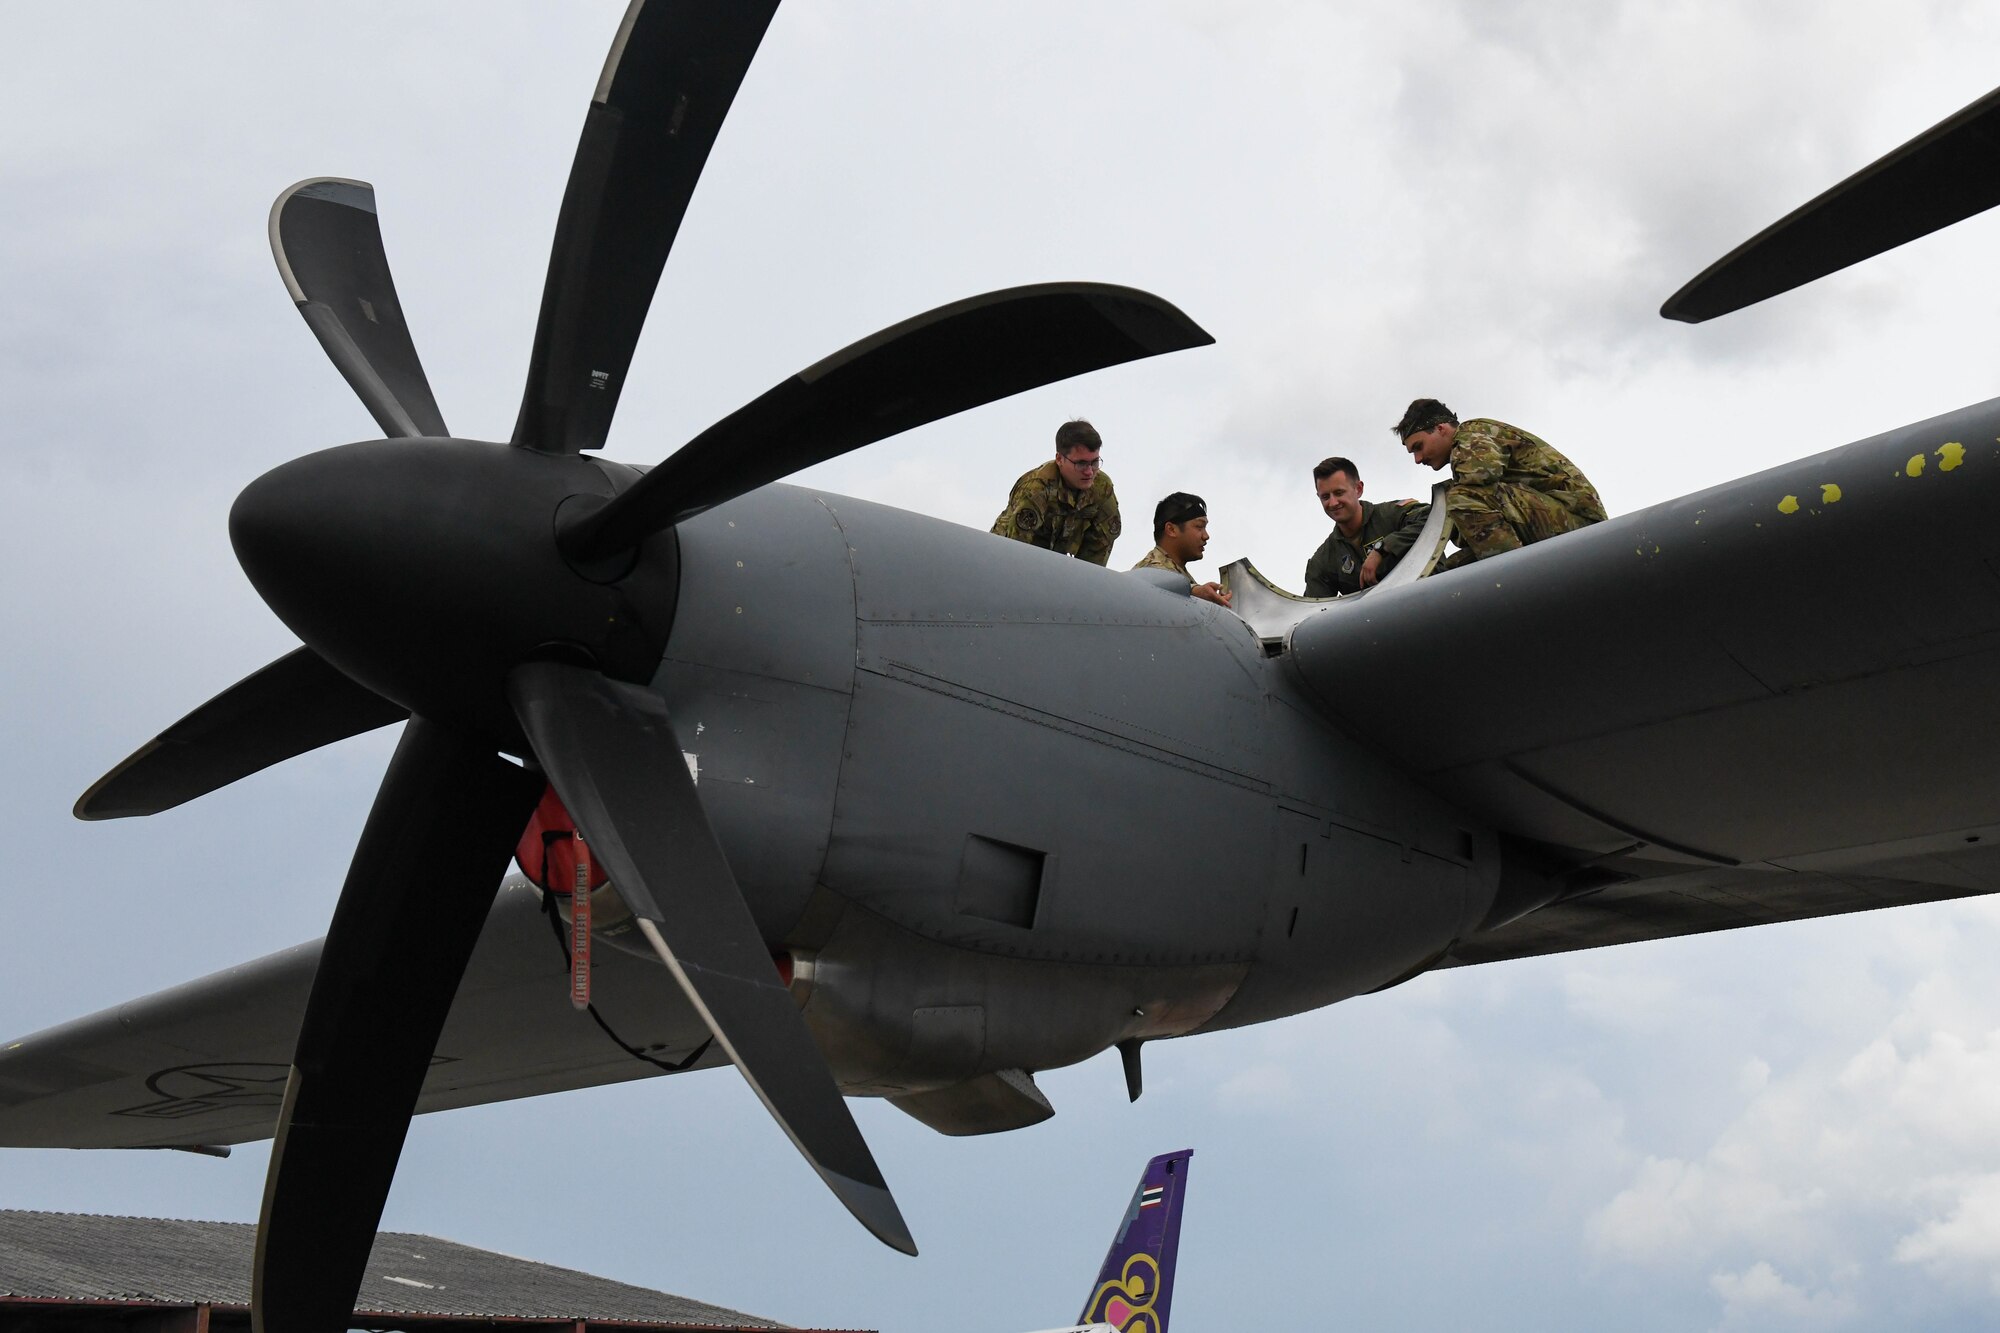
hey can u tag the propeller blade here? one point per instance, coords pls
(1944, 175)
(298, 703)
(610, 751)
(328, 245)
(417, 894)
(673, 70)
(941, 362)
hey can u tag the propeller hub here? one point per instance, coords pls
(427, 568)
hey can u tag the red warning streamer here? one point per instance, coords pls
(579, 928)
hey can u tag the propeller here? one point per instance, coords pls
(516, 598)
(1944, 175)
(667, 84)
(296, 704)
(946, 360)
(328, 244)
(417, 893)
(635, 802)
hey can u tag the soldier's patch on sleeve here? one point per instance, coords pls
(1027, 518)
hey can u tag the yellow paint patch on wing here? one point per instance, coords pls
(1829, 494)
(1789, 505)
(1915, 467)
(1950, 456)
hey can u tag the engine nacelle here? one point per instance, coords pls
(898, 1014)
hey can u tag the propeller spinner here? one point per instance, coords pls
(516, 597)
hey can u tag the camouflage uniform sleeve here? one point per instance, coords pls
(1477, 458)
(1103, 531)
(1319, 572)
(1021, 520)
(1411, 523)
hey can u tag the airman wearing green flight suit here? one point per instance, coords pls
(1367, 539)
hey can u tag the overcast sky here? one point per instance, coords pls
(1363, 202)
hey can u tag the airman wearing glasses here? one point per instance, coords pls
(1067, 504)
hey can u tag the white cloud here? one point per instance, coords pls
(1858, 1157)
(1262, 1087)
(1625, 998)
(1759, 1297)
(1964, 1245)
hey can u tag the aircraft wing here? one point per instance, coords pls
(1766, 701)
(1722, 898)
(205, 1063)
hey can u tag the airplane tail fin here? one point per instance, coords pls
(1136, 1284)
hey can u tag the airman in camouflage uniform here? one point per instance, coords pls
(1367, 539)
(1158, 559)
(1508, 488)
(1180, 535)
(1066, 505)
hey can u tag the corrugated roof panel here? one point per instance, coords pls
(82, 1256)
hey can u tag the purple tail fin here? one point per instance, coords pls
(1136, 1284)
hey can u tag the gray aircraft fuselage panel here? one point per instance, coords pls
(1007, 799)
(759, 679)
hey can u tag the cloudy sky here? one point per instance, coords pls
(1364, 202)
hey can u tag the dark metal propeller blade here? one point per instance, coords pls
(297, 703)
(328, 245)
(417, 894)
(667, 84)
(610, 752)
(1944, 175)
(944, 361)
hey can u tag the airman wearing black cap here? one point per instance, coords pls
(1180, 535)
